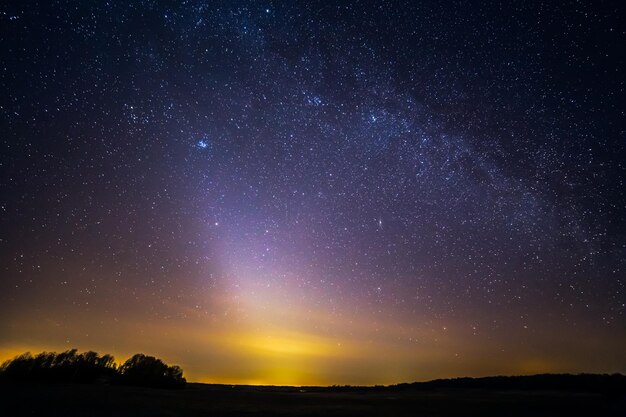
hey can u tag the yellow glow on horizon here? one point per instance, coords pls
(259, 342)
(7, 353)
(285, 345)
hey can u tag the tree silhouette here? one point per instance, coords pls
(149, 371)
(89, 367)
(68, 366)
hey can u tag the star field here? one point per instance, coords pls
(307, 192)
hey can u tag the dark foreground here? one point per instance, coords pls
(31, 399)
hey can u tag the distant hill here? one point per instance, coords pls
(598, 383)
(580, 382)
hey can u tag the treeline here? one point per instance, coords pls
(604, 383)
(596, 383)
(89, 367)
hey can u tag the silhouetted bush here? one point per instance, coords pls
(149, 371)
(89, 367)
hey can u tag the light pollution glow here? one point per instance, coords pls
(263, 343)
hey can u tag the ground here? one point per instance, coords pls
(28, 399)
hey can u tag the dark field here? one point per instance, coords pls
(30, 399)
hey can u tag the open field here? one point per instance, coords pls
(30, 399)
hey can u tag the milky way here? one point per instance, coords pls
(310, 192)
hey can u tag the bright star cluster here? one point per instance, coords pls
(316, 192)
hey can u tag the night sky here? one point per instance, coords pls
(316, 192)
